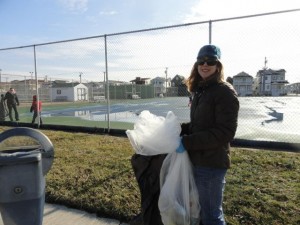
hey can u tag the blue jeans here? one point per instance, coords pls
(210, 184)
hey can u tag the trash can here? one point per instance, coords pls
(22, 178)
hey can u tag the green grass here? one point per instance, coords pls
(93, 173)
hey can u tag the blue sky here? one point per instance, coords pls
(26, 22)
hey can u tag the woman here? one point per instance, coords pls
(206, 138)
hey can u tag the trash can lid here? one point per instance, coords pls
(46, 149)
(19, 158)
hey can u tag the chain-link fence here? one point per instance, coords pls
(106, 81)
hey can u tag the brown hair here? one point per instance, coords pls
(193, 80)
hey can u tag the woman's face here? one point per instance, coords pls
(207, 67)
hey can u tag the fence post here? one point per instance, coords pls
(107, 84)
(210, 31)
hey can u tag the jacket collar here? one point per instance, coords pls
(209, 82)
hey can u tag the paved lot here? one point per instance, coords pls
(61, 215)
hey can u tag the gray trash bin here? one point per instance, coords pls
(22, 178)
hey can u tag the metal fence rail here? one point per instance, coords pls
(106, 66)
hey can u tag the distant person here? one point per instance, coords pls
(212, 126)
(3, 109)
(36, 108)
(12, 102)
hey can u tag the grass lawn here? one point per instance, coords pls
(93, 172)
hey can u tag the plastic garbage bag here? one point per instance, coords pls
(178, 201)
(153, 135)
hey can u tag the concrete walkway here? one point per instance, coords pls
(61, 215)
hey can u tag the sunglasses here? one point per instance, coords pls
(209, 62)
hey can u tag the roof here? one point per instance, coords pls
(139, 79)
(64, 85)
(242, 74)
(271, 72)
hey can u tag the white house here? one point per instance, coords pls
(270, 82)
(293, 88)
(70, 92)
(242, 83)
(160, 85)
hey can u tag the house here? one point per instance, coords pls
(242, 83)
(160, 85)
(70, 92)
(139, 80)
(293, 88)
(269, 82)
(179, 82)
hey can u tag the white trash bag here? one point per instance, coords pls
(153, 135)
(178, 200)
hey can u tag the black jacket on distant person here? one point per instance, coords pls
(12, 102)
(11, 98)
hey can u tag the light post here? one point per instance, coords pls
(30, 83)
(25, 92)
(166, 72)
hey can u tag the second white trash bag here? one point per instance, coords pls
(178, 200)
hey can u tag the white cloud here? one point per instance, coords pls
(245, 43)
(75, 5)
(218, 9)
(108, 13)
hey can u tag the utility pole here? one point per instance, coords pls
(266, 61)
(80, 77)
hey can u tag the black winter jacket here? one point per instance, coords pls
(214, 116)
(12, 98)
